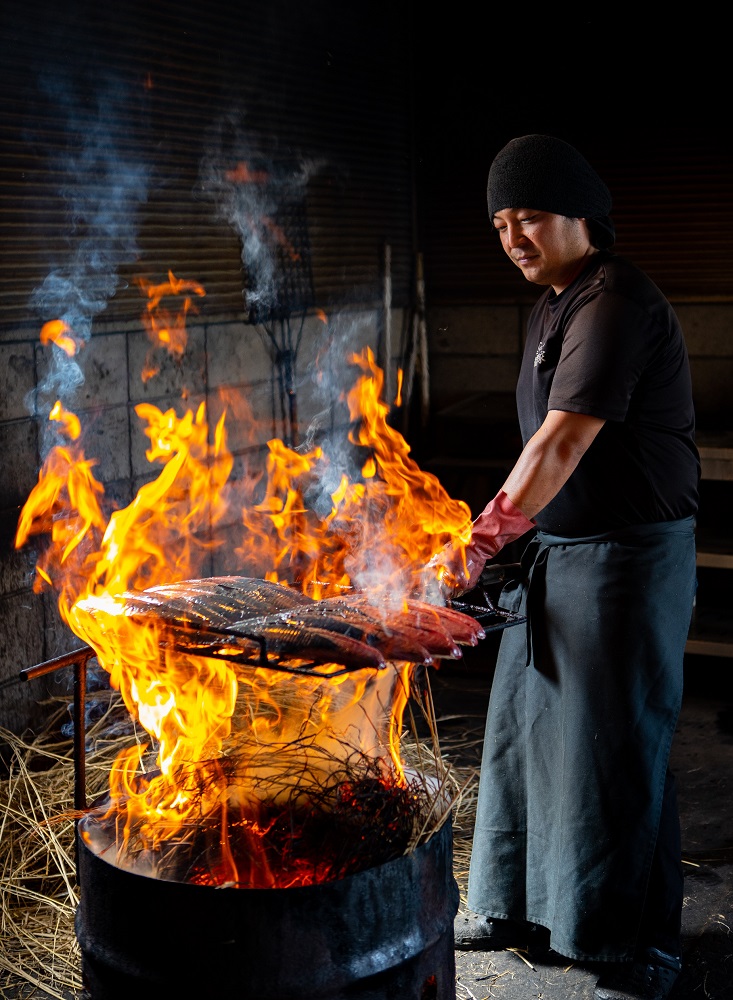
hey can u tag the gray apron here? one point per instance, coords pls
(584, 705)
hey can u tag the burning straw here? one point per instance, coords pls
(39, 954)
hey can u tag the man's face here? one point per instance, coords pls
(549, 249)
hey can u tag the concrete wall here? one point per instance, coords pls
(473, 349)
(224, 361)
(478, 349)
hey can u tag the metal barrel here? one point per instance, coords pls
(383, 933)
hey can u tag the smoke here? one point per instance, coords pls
(330, 380)
(375, 563)
(103, 184)
(262, 197)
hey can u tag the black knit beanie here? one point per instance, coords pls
(547, 174)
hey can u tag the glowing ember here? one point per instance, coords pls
(242, 752)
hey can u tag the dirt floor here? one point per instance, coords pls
(702, 760)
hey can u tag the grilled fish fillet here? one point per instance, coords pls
(425, 617)
(255, 621)
(436, 640)
(242, 593)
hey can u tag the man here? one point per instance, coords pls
(577, 832)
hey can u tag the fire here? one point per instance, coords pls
(56, 331)
(227, 739)
(165, 328)
(69, 421)
(64, 505)
(400, 379)
(381, 531)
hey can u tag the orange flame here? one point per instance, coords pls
(381, 531)
(70, 423)
(227, 736)
(165, 328)
(56, 331)
(400, 379)
(64, 505)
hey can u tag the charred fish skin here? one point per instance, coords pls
(183, 611)
(256, 621)
(432, 635)
(201, 642)
(327, 646)
(280, 633)
(412, 635)
(250, 595)
(394, 645)
(243, 592)
(263, 593)
(271, 641)
(226, 600)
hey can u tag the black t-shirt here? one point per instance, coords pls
(611, 346)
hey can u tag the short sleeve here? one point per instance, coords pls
(606, 347)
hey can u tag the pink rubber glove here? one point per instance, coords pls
(500, 522)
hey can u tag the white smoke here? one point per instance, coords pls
(102, 185)
(251, 187)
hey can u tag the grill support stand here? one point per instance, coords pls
(78, 658)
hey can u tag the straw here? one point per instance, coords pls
(39, 953)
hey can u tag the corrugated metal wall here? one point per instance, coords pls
(673, 211)
(139, 139)
(642, 101)
(120, 124)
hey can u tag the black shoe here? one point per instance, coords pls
(652, 976)
(474, 932)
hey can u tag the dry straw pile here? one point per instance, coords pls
(39, 954)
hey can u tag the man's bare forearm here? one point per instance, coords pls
(549, 458)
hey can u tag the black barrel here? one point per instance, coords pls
(380, 934)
